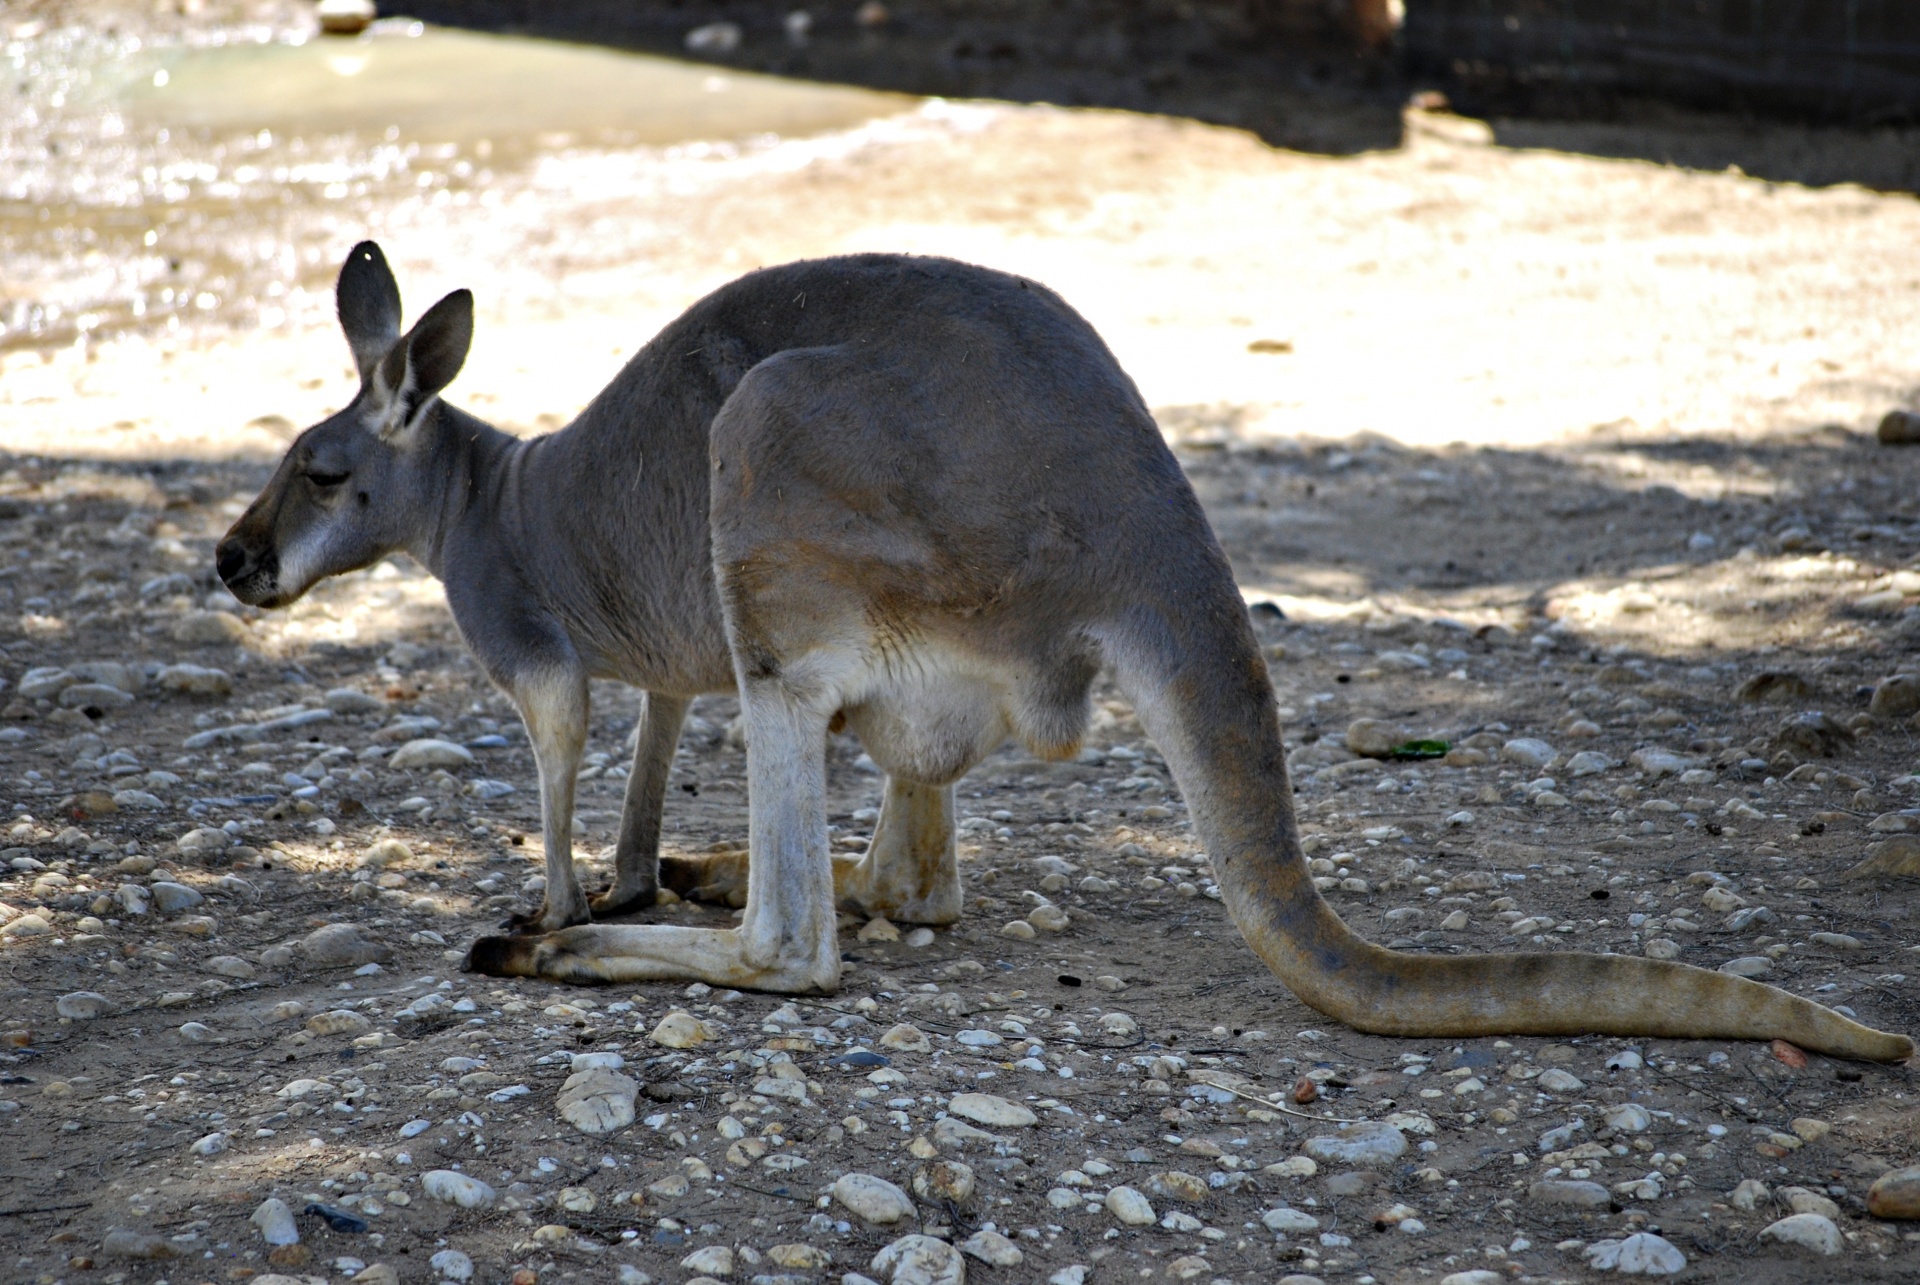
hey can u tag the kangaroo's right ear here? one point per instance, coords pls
(368, 301)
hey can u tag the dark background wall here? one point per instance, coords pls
(1842, 60)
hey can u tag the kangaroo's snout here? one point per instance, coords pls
(251, 574)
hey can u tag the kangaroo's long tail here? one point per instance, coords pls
(1203, 695)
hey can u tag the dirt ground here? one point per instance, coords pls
(1507, 445)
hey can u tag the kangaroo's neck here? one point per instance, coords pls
(462, 474)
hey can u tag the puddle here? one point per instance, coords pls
(439, 86)
(150, 187)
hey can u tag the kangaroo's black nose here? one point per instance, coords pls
(228, 560)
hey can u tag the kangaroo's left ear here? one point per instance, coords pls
(420, 365)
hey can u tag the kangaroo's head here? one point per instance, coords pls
(362, 483)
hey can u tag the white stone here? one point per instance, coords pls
(993, 1249)
(211, 1145)
(1748, 966)
(1528, 752)
(339, 1021)
(1294, 1221)
(1816, 1232)
(1629, 1117)
(452, 1265)
(712, 1260)
(1555, 1080)
(1477, 1276)
(1657, 763)
(680, 1030)
(342, 946)
(874, 1199)
(990, 1109)
(906, 1039)
(196, 1032)
(275, 1220)
(460, 1189)
(1368, 1144)
(1588, 763)
(598, 1100)
(195, 680)
(430, 753)
(1130, 1207)
(81, 1006)
(201, 842)
(1641, 1254)
(920, 1260)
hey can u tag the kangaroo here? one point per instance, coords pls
(907, 493)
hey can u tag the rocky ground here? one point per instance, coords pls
(247, 849)
(1656, 586)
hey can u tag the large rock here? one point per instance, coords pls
(460, 1189)
(342, 946)
(1376, 738)
(874, 1199)
(1641, 1254)
(1368, 1145)
(920, 1260)
(1816, 1232)
(990, 1109)
(209, 628)
(1896, 697)
(598, 1100)
(680, 1030)
(1528, 752)
(195, 680)
(430, 753)
(1896, 1194)
(1568, 1191)
(1130, 1207)
(1898, 857)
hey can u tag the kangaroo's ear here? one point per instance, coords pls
(415, 370)
(368, 301)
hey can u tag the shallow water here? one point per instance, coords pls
(146, 187)
(457, 87)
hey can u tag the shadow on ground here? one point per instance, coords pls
(1304, 91)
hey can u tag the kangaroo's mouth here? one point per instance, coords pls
(253, 579)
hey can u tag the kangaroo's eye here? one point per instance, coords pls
(324, 480)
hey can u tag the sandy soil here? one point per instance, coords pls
(1523, 444)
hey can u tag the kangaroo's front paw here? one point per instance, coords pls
(718, 878)
(548, 919)
(622, 901)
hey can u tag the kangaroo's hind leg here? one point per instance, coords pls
(636, 856)
(786, 941)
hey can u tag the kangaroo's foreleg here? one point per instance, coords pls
(911, 872)
(636, 876)
(553, 703)
(787, 939)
